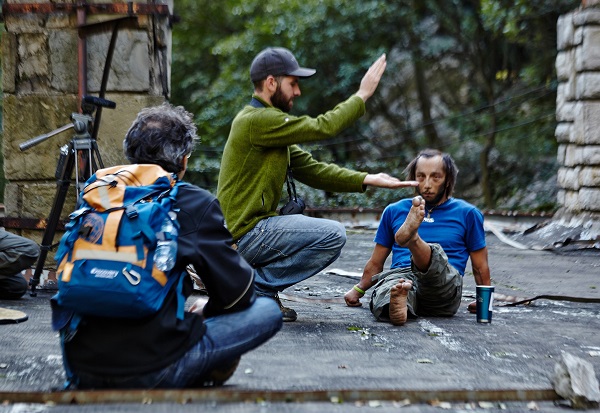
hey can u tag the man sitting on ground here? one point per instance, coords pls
(162, 350)
(431, 237)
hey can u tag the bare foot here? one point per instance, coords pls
(411, 224)
(398, 309)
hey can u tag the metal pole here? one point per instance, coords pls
(81, 53)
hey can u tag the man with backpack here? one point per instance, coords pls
(165, 348)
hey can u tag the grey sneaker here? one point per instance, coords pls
(288, 313)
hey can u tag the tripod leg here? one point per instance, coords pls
(62, 186)
(96, 157)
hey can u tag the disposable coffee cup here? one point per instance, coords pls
(485, 301)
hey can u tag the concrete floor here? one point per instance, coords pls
(335, 358)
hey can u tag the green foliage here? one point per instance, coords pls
(467, 77)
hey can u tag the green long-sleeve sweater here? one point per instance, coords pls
(261, 143)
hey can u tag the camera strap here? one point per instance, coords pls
(291, 187)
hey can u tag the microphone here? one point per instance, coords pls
(105, 103)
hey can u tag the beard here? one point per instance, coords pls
(438, 197)
(280, 101)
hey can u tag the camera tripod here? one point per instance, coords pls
(80, 154)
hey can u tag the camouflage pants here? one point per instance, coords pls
(436, 292)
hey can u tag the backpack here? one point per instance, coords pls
(106, 255)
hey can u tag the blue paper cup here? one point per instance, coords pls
(485, 301)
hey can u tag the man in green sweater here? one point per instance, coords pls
(262, 146)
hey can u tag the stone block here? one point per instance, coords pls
(560, 197)
(589, 199)
(566, 91)
(565, 65)
(588, 85)
(9, 62)
(24, 23)
(36, 236)
(573, 155)
(35, 200)
(64, 60)
(561, 154)
(572, 201)
(588, 54)
(33, 56)
(563, 132)
(586, 127)
(61, 21)
(578, 37)
(587, 16)
(565, 111)
(591, 155)
(590, 176)
(12, 201)
(574, 379)
(568, 178)
(26, 117)
(565, 32)
(130, 66)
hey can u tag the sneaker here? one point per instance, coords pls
(288, 313)
(219, 376)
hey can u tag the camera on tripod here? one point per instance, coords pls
(80, 154)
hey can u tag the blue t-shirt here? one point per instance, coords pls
(456, 225)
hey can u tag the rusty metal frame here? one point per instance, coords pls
(129, 8)
(225, 395)
(27, 223)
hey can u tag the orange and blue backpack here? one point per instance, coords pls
(106, 262)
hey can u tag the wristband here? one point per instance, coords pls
(358, 289)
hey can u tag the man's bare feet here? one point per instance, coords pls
(398, 309)
(411, 224)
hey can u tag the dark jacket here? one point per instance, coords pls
(121, 347)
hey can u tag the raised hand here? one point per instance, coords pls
(371, 79)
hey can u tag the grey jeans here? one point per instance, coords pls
(436, 292)
(16, 254)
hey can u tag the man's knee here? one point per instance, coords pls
(338, 234)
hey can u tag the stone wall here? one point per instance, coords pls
(41, 91)
(578, 116)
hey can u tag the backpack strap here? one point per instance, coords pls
(180, 296)
(143, 231)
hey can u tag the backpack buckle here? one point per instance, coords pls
(131, 212)
(132, 276)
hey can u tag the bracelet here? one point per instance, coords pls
(358, 289)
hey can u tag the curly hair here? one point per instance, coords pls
(450, 168)
(161, 135)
